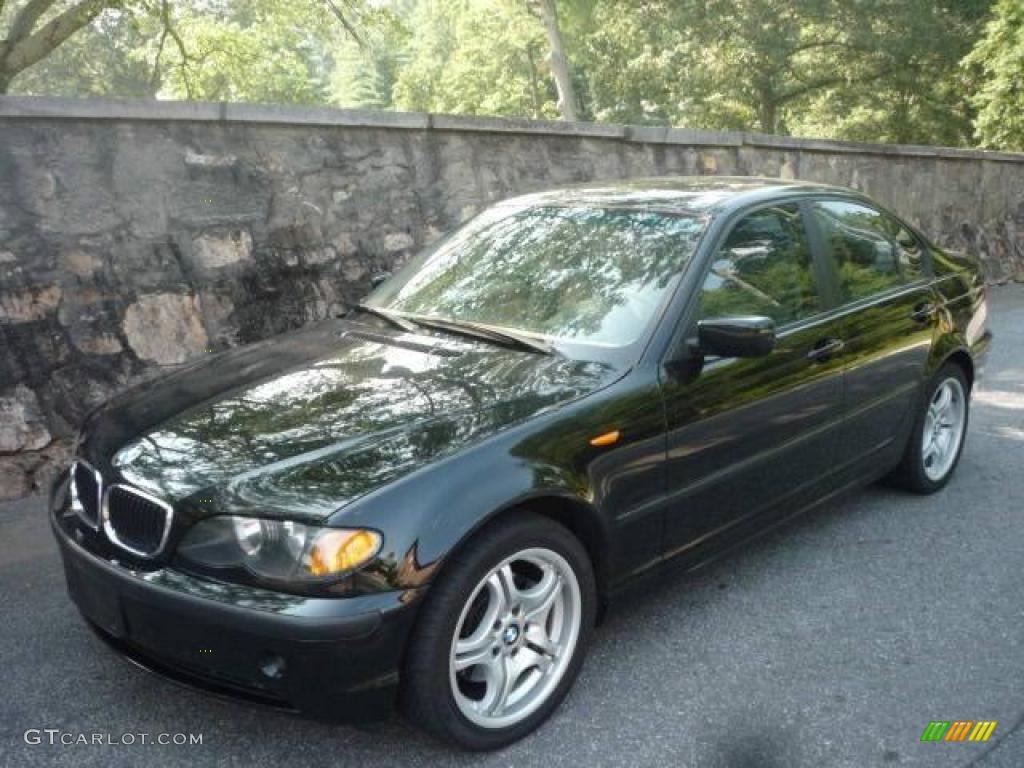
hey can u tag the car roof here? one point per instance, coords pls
(682, 194)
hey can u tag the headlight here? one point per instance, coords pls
(282, 552)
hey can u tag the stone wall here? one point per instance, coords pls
(135, 236)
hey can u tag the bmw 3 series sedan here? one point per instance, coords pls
(430, 500)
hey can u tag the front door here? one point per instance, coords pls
(743, 435)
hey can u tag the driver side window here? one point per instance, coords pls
(763, 268)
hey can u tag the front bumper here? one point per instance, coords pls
(334, 659)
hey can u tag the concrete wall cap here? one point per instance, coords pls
(36, 107)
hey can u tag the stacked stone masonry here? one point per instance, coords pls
(136, 236)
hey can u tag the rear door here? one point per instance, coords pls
(887, 313)
(743, 435)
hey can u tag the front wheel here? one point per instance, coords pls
(502, 635)
(938, 435)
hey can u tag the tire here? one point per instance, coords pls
(469, 620)
(920, 471)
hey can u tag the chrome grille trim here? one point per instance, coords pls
(111, 532)
(76, 504)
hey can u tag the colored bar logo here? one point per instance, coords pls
(958, 730)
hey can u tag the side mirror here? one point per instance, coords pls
(379, 278)
(745, 336)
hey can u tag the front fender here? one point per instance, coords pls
(428, 514)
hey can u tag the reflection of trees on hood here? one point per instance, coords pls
(377, 409)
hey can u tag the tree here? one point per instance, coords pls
(633, 58)
(37, 28)
(250, 51)
(724, 63)
(259, 50)
(102, 59)
(365, 71)
(558, 61)
(254, 50)
(997, 62)
(920, 94)
(872, 70)
(497, 57)
(364, 77)
(475, 57)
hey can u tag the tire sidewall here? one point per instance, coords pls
(927, 485)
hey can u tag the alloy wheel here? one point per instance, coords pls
(943, 429)
(515, 638)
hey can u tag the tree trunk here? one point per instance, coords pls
(534, 89)
(767, 110)
(903, 132)
(559, 63)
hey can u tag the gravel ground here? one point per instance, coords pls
(832, 641)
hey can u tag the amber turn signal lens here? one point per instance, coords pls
(339, 550)
(608, 438)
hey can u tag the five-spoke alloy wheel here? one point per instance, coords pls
(938, 437)
(502, 634)
(943, 428)
(515, 637)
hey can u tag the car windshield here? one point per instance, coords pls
(577, 274)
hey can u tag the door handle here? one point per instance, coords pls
(824, 348)
(922, 312)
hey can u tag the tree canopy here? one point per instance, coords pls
(909, 71)
(997, 65)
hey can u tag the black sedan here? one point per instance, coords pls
(431, 499)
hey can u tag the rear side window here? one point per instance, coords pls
(872, 251)
(763, 268)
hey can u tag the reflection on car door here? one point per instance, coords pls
(888, 320)
(746, 434)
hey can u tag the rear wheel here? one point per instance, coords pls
(503, 634)
(937, 440)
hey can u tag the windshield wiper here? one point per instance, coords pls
(490, 333)
(396, 320)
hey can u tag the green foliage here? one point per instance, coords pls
(101, 60)
(998, 64)
(475, 57)
(635, 58)
(364, 76)
(244, 50)
(875, 70)
(908, 71)
(909, 87)
(726, 64)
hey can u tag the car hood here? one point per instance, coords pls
(305, 422)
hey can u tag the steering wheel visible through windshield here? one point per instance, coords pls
(576, 274)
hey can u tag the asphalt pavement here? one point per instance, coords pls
(832, 641)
